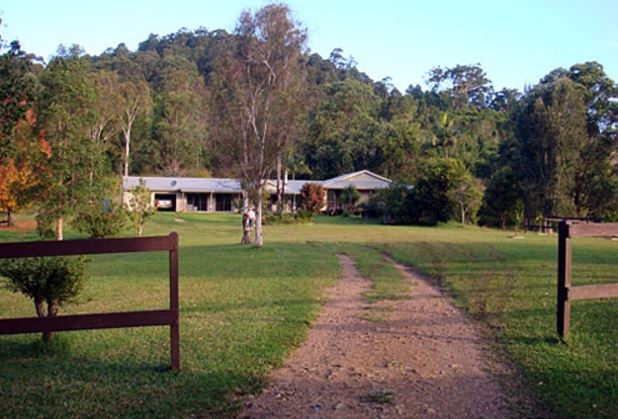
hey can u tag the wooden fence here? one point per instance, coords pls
(168, 317)
(566, 292)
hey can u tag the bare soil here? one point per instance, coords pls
(414, 358)
(19, 225)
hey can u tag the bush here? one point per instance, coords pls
(100, 219)
(50, 282)
(45, 224)
(374, 208)
(312, 196)
(389, 204)
(300, 217)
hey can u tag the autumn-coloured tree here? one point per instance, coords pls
(23, 172)
(13, 180)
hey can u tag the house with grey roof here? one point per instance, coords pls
(365, 182)
(182, 194)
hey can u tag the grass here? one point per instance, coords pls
(243, 310)
(379, 397)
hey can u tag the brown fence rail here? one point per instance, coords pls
(567, 292)
(102, 320)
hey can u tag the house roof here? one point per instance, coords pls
(362, 180)
(292, 187)
(184, 184)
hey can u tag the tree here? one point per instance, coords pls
(502, 204)
(66, 115)
(50, 282)
(139, 206)
(430, 201)
(596, 190)
(399, 147)
(467, 193)
(342, 130)
(505, 100)
(466, 85)
(18, 91)
(13, 182)
(105, 121)
(20, 148)
(258, 86)
(551, 130)
(180, 117)
(446, 134)
(21, 174)
(135, 101)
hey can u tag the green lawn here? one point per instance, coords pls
(244, 309)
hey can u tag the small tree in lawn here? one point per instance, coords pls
(139, 206)
(50, 282)
(312, 197)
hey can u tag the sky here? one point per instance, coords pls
(516, 42)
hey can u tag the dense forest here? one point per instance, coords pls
(456, 148)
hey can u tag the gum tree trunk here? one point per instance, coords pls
(259, 238)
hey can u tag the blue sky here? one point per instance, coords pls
(516, 42)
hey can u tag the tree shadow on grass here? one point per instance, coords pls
(39, 380)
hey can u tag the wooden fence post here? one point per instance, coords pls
(174, 303)
(564, 279)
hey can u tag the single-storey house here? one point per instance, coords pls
(182, 194)
(365, 182)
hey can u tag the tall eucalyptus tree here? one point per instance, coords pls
(258, 90)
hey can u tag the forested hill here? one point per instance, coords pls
(550, 149)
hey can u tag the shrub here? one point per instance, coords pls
(374, 208)
(50, 282)
(312, 196)
(99, 220)
(45, 224)
(300, 217)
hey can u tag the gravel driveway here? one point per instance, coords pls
(420, 358)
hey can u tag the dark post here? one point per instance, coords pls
(564, 279)
(174, 303)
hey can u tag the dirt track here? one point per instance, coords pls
(422, 358)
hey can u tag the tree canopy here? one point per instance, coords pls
(256, 103)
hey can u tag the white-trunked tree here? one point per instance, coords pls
(258, 85)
